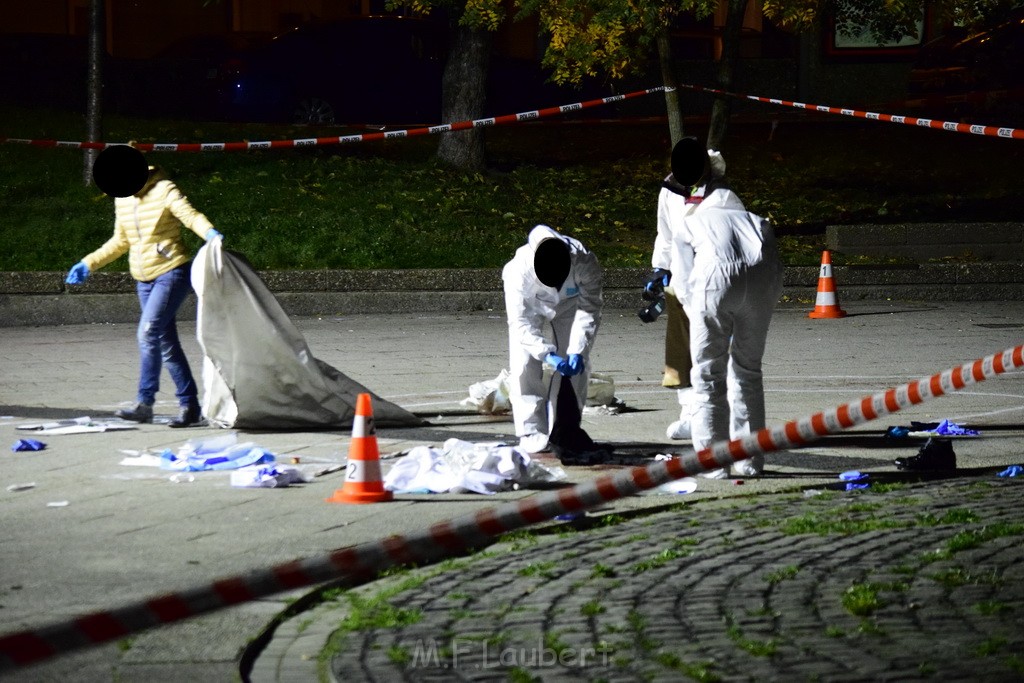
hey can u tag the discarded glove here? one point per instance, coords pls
(1011, 471)
(78, 274)
(947, 428)
(28, 445)
(855, 480)
(896, 432)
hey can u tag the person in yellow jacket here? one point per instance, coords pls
(149, 211)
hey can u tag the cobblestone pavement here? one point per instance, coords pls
(906, 581)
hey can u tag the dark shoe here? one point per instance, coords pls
(140, 413)
(935, 454)
(190, 416)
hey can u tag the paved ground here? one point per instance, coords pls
(722, 582)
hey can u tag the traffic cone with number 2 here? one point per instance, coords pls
(363, 483)
(826, 305)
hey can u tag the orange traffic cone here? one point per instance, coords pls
(363, 483)
(827, 303)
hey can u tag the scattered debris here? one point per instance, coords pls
(461, 466)
(78, 425)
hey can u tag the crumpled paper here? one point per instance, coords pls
(460, 466)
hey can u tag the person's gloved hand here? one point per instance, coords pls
(78, 274)
(656, 283)
(575, 363)
(213, 234)
(560, 365)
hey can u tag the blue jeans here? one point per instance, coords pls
(160, 300)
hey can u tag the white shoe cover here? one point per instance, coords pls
(534, 443)
(714, 474)
(751, 467)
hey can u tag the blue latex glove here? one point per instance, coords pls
(1011, 471)
(560, 365)
(78, 274)
(28, 445)
(212, 234)
(656, 283)
(855, 480)
(575, 364)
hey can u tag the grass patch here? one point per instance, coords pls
(661, 559)
(954, 577)
(862, 599)
(389, 204)
(519, 539)
(990, 646)
(781, 574)
(699, 671)
(831, 523)
(638, 626)
(992, 608)
(398, 655)
(758, 648)
(592, 608)
(973, 538)
(542, 569)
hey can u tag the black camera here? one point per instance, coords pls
(653, 310)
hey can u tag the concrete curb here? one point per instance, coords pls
(42, 298)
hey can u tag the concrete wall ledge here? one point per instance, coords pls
(924, 241)
(42, 298)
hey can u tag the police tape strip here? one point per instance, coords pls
(951, 126)
(976, 129)
(344, 139)
(444, 539)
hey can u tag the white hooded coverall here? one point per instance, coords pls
(574, 314)
(727, 274)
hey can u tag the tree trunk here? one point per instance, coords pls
(726, 68)
(668, 79)
(464, 91)
(94, 94)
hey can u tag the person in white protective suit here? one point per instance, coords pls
(727, 274)
(552, 281)
(677, 201)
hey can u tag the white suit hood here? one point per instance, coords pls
(530, 303)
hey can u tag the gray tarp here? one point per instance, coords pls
(258, 371)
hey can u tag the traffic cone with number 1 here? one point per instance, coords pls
(826, 305)
(363, 483)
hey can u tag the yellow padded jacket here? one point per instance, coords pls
(147, 226)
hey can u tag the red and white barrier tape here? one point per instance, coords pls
(447, 538)
(344, 139)
(976, 129)
(951, 126)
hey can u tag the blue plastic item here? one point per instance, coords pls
(947, 428)
(855, 480)
(1011, 471)
(28, 445)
